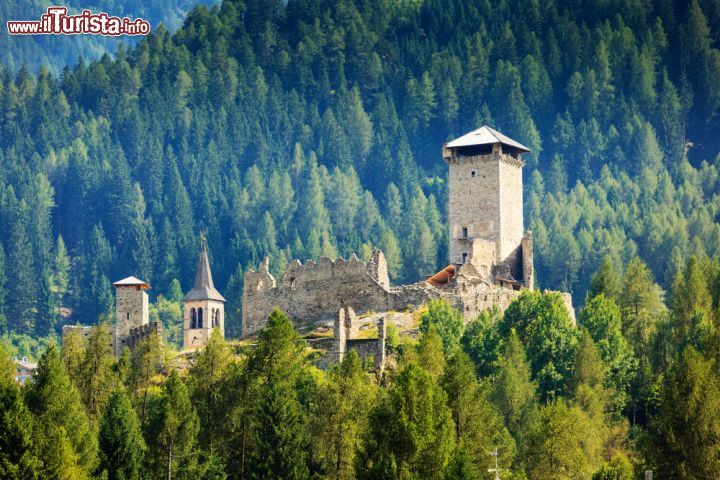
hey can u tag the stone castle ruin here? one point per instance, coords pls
(203, 311)
(491, 257)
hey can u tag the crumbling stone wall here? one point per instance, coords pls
(314, 292)
(343, 342)
(137, 334)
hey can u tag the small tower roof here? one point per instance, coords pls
(485, 136)
(132, 282)
(203, 288)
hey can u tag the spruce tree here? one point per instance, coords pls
(171, 432)
(18, 459)
(279, 432)
(411, 431)
(62, 430)
(120, 439)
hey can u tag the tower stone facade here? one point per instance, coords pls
(491, 256)
(485, 206)
(131, 311)
(203, 306)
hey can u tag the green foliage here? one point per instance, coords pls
(447, 321)
(602, 318)
(18, 460)
(64, 438)
(280, 424)
(410, 431)
(340, 415)
(171, 431)
(479, 426)
(514, 393)
(482, 341)
(686, 434)
(547, 334)
(120, 439)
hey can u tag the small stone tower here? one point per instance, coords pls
(203, 306)
(486, 206)
(131, 311)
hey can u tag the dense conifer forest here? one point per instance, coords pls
(314, 127)
(55, 52)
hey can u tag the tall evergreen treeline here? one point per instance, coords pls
(306, 128)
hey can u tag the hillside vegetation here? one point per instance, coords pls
(313, 128)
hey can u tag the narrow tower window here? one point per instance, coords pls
(464, 257)
(465, 232)
(200, 318)
(193, 318)
(472, 173)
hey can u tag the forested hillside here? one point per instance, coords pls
(314, 127)
(57, 51)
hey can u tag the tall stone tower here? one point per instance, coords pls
(486, 207)
(203, 306)
(131, 311)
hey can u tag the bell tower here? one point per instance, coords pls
(485, 206)
(203, 306)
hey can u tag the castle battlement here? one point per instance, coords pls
(491, 257)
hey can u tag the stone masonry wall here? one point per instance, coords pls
(473, 201)
(131, 311)
(315, 294)
(510, 204)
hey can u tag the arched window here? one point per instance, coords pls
(200, 318)
(214, 316)
(193, 318)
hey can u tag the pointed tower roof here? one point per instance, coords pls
(485, 136)
(203, 288)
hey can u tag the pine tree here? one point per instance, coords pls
(280, 425)
(171, 431)
(98, 378)
(431, 356)
(411, 431)
(601, 317)
(121, 443)
(605, 280)
(62, 430)
(479, 427)
(514, 393)
(686, 433)
(18, 459)
(340, 415)
(205, 382)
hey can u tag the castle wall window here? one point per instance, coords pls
(200, 318)
(464, 257)
(464, 232)
(292, 283)
(193, 318)
(473, 173)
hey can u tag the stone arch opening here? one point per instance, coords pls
(200, 318)
(193, 318)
